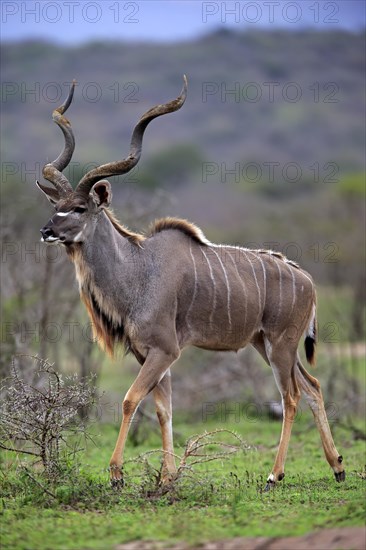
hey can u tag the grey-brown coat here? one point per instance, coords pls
(171, 288)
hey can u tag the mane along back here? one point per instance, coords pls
(278, 255)
(189, 229)
(184, 226)
(135, 238)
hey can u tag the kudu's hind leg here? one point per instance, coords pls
(283, 361)
(163, 402)
(311, 389)
(151, 373)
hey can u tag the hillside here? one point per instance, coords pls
(263, 97)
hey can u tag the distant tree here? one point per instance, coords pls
(172, 167)
(351, 192)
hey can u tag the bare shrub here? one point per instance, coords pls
(43, 417)
(199, 449)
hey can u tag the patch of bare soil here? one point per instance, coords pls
(343, 538)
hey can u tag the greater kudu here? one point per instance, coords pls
(160, 292)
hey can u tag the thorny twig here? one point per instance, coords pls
(47, 491)
(194, 453)
(37, 420)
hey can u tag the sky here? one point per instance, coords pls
(78, 21)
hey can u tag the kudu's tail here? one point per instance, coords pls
(310, 338)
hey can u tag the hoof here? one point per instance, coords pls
(340, 476)
(117, 483)
(270, 485)
(116, 480)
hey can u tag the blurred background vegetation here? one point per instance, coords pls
(268, 151)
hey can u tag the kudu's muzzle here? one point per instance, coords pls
(48, 234)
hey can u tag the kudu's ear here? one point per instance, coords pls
(102, 193)
(51, 193)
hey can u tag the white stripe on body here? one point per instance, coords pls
(227, 286)
(278, 313)
(214, 286)
(257, 285)
(244, 290)
(264, 279)
(195, 285)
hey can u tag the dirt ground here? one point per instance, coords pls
(345, 538)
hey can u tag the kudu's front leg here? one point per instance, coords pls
(152, 372)
(163, 403)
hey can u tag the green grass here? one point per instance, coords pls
(227, 502)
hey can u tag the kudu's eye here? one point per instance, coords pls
(79, 209)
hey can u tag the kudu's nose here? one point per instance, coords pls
(46, 232)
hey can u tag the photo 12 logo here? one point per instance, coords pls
(53, 92)
(270, 92)
(270, 12)
(70, 12)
